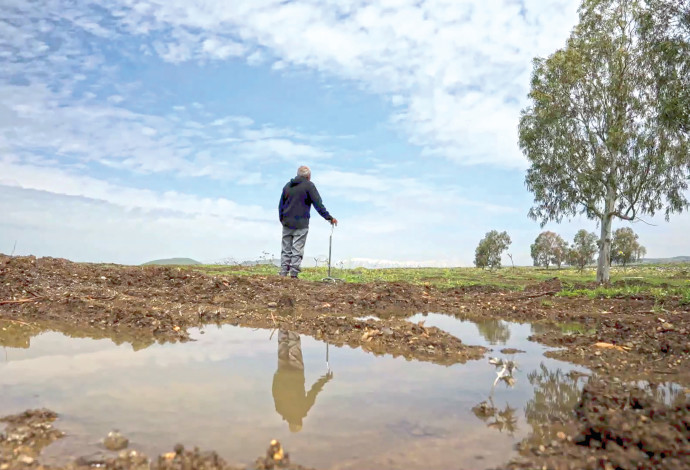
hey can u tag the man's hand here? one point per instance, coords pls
(334, 221)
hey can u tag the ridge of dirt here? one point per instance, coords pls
(29, 432)
(162, 302)
(617, 426)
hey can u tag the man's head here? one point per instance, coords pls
(304, 171)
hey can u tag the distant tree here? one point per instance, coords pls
(607, 133)
(490, 248)
(583, 249)
(494, 331)
(555, 394)
(549, 248)
(626, 249)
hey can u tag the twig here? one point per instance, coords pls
(274, 319)
(638, 218)
(112, 297)
(533, 296)
(13, 248)
(16, 321)
(20, 301)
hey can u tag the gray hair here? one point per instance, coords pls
(304, 171)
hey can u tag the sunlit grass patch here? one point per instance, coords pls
(660, 282)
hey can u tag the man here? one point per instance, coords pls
(290, 397)
(294, 212)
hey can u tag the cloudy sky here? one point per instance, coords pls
(134, 130)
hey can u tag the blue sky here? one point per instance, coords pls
(138, 130)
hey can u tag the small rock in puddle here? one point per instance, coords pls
(511, 351)
(115, 441)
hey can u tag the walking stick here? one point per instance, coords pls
(330, 248)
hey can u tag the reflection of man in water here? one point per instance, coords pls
(289, 394)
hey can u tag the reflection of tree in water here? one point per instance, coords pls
(494, 331)
(540, 328)
(555, 396)
(668, 393)
(502, 420)
(18, 335)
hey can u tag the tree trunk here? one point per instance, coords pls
(604, 262)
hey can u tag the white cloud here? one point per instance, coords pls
(222, 49)
(133, 227)
(459, 70)
(64, 183)
(34, 120)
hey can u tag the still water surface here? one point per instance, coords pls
(234, 389)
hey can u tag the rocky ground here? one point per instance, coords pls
(622, 339)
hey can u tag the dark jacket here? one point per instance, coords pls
(296, 201)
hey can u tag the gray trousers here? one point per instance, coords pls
(292, 250)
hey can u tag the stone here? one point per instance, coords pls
(115, 441)
(25, 459)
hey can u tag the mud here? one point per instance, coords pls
(29, 432)
(622, 339)
(24, 437)
(162, 302)
(618, 427)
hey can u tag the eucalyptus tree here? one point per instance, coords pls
(625, 247)
(490, 249)
(583, 249)
(549, 248)
(606, 132)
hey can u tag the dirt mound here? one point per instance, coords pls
(550, 285)
(637, 430)
(619, 427)
(164, 301)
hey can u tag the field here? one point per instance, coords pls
(660, 281)
(635, 329)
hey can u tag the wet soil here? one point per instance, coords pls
(622, 339)
(28, 433)
(162, 302)
(617, 426)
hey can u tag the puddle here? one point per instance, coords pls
(234, 389)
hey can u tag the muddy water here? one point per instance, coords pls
(234, 389)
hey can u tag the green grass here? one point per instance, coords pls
(659, 281)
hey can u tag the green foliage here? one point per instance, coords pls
(665, 29)
(625, 247)
(661, 281)
(606, 132)
(490, 248)
(583, 249)
(549, 248)
(685, 298)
